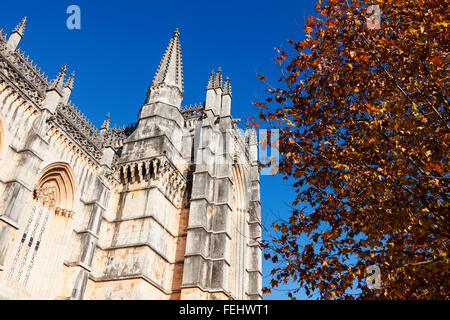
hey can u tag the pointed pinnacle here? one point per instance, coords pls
(170, 69)
(20, 28)
(218, 81)
(105, 124)
(70, 81)
(227, 87)
(211, 80)
(59, 81)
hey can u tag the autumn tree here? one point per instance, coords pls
(363, 113)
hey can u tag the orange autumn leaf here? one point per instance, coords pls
(261, 77)
(371, 108)
(368, 158)
(435, 60)
(434, 167)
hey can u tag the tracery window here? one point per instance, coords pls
(52, 197)
(43, 205)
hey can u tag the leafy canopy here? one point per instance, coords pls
(364, 119)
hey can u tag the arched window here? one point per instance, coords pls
(239, 234)
(53, 195)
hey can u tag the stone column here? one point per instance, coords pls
(206, 261)
(89, 237)
(254, 263)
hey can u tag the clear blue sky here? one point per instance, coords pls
(117, 51)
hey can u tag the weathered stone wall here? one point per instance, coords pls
(142, 236)
(167, 208)
(30, 144)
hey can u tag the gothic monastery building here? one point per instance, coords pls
(164, 208)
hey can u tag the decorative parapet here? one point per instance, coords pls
(30, 70)
(115, 136)
(80, 129)
(78, 126)
(78, 119)
(193, 113)
(17, 71)
(25, 67)
(155, 172)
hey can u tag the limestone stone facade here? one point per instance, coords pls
(165, 208)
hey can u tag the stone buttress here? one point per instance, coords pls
(164, 208)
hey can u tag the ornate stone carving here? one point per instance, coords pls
(13, 74)
(193, 113)
(79, 131)
(157, 172)
(27, 69)
(114, 136)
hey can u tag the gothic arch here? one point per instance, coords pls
(52, 197)
(59, 178)
(239, 233)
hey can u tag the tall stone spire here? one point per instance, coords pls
(160, 126)
(170, 69)
(16, 35)
(20, 28)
